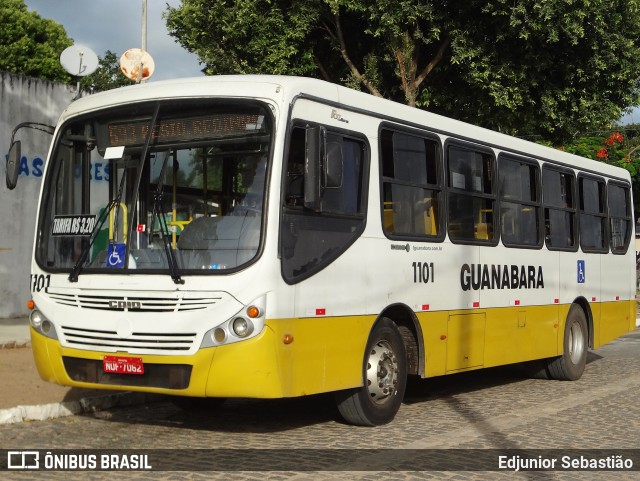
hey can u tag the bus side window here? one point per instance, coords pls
(410, 185)
(472, 195)
(520, 202)
(619, 202)
(560, 208)
(593, 217)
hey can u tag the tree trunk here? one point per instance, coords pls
(406, 56)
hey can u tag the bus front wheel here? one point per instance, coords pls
(385, 379)
(570, 365)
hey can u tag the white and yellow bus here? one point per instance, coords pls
(270, 237)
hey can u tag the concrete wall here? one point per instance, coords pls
(23, 99)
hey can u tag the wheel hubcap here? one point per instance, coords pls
(382, 372)
(576, 343)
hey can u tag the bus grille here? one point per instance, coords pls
(169, 376)
(138, 303)
(110, 341)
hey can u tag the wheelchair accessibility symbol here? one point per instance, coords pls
(115, 255)
(581, 272)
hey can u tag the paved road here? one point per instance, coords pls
(496, 409)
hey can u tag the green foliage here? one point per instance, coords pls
(586, 146)
(251, 36)
(31, 45)
(619, 147)
(551, 68)
(107, 76)
(562, 66)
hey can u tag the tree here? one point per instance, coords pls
(619, 147)
(31, 45)
(107, 76)
(552, 68)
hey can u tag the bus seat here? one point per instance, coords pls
(199, 233)
(387, 217)
(484, 226)
(483, 231)
(485, 215)
(219, 241)
(425, 221)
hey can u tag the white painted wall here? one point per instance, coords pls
(23, 99)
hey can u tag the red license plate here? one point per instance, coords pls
(123, 365)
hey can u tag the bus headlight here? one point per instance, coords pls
(242, 327)
(36, 318)
(46, 326)
(245, 324)
(41, 324)
(219, 335)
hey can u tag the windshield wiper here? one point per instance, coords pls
(75, 272)
(158, 209)
(159, 212)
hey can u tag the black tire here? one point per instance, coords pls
(197, 403)
(570, 366)
(538, 369)
(385, 379)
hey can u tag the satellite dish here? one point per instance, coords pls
(137, 64)
(79, 60)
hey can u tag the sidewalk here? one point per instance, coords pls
(14, 332)
(27, 397)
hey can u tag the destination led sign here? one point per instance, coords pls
(169, 131)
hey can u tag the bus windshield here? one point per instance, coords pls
(153, 184)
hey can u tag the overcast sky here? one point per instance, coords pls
(115, 25)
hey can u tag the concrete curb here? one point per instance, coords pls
(69, 408)
(15, 344)
(82, 406)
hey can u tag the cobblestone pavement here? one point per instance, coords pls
(492, 409)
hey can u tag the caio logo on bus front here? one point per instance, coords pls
(125, 305)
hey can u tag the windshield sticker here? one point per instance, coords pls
(73, 225)
(116, 255)
(114, 152)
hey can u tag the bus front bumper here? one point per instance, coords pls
(212, 372)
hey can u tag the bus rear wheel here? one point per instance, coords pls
(385, 379)
(570, 366)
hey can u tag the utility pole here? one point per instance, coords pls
(144, 25)
(143, 42)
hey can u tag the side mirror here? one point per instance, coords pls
(333, 164)
(323, 165)
(13, 165)
(312, 168)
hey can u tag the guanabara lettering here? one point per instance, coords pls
(498, 276)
